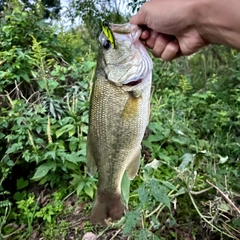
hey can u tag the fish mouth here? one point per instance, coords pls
(133, 32)
(137, 64)
(133, 83)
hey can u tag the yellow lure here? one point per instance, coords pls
(108, 32)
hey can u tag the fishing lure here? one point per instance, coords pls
(108, 32)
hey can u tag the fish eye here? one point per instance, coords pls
(105, 23)
(106, 44)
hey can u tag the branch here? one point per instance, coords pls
(225, 196)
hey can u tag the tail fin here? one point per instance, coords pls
(107, 206)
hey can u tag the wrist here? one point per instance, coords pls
(217, 21)
(200, 19)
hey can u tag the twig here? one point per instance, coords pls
(117, 232)
(200, 214)
(70, 194)
(234, 229)
(155, 210)
(19, 229)
(7, 93)
(201, 191)
(225, 196)
(103, 231)
(37, 92)
(19, 91)
(228, 230)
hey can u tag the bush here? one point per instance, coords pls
(44, 109)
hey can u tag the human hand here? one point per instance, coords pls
(171, 30)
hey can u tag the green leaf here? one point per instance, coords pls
(72, 131)
(236, 222)
(76, 180)
(80, 188)
(52, 84)
(64, 129)
(159, 192)
(155, 127)
(51, 154)
(73, 146)
(72, 157)
(155, 138)
(15, 147)
(2, 135)
(169, 185)
(143, 194)
(18, 196)
(21, 183)
(154, 164)
(41, 84)
(72, 166)
(62, 78)
(88, 65)
(179, 140)
(131, 221)
(25, 77)
(164, 157)
(89, 191)
(43, 170)
(145, 235)
(186, 159)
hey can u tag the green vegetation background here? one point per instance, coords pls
(188, 185)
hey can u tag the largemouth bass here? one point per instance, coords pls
(119, 114)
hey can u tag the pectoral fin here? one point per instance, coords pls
(133, 166)
(91, 163)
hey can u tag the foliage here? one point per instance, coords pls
(90, 13)
(50, 8)
(44, 116)
(192, 142)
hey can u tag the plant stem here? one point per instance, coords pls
(200, 214)
(225, 196)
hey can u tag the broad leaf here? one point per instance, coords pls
(21, 183)
(89, 191)
(131, 221)
(159, 192)
(143, 194)
(43, 170)
(64, 129)
(186, 159)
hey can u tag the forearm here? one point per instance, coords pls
(218, 21)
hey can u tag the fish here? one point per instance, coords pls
(118, 117)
